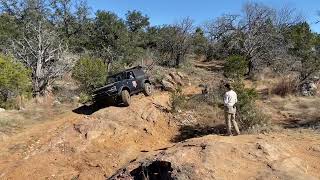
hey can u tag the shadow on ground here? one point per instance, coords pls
(92, 108)
(188, 132)
(88, 109)
(295, 123)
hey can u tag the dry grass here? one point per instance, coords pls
(294, 111)
(285, 87)
(298, 106)
(12, 121)
(196, 109)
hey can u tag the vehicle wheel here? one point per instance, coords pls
(125, 97)
(147, 90)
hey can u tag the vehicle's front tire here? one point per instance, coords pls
(125, 97)
(147, 89)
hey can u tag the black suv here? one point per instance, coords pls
(121, 86)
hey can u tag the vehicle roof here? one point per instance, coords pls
(133, 68)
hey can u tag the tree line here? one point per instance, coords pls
(48, 37)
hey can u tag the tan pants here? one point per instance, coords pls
(230, 116)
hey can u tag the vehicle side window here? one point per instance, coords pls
(130, 75)
(119, 78)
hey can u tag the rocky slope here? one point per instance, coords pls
(289, 155)
(92, 144)
(144, 141)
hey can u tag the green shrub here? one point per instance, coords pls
(84, 98)
(251, 117)
(245, 95)
(117, 66)
(91, 73)
(15, 81)
(248, 114)
(235, 67)
(178, 101)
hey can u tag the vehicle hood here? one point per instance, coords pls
(106, 87)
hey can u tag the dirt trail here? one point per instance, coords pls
(88, 146)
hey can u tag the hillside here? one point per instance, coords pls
(288, 155)
(94, 142)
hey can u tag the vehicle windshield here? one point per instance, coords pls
(111, 80)
(114, 78)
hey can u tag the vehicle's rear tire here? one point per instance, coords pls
(147, 89)
(125, 97)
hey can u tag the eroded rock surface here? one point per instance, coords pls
(216, 157)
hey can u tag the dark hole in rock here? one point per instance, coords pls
(157, 170)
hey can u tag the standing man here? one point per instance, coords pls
(230, 99)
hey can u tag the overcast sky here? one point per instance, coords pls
(169, 11)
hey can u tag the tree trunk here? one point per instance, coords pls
(178, 59)
(250, 69)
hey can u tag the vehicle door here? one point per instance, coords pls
(131, 82)
(139, 77)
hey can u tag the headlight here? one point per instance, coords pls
(114, 88)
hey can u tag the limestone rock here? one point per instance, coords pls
(171, 81)
(315, 148)
(291, 168)
(182, 75)
(168, 86)
(309, 88)
(177, 79)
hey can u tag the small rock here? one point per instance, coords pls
(56, 103)
(315, 148)
(147, 131)
(2, 110)
(182, 75)
(144, 115)
(93, 134)
(152, 117)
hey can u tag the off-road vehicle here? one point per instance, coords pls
(121, 86)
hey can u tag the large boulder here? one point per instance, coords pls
(176, 78)
(309, 88)
(167, 85)
(214, 157)
(173, 80)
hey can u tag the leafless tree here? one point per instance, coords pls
(256, 34)
(221, 34)
(221, 27)
(184, 29)
(288, 16)
(41, 50)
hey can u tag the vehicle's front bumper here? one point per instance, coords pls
(105, 94)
